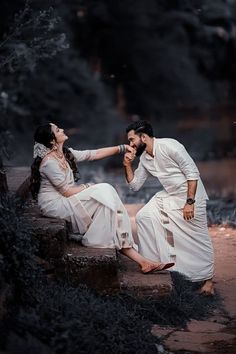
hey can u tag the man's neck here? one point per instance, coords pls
(149, 147)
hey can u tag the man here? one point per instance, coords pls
(172, 226)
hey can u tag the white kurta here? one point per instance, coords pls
(163, 234)
(96, 212)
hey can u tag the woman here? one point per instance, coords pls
(95, 211)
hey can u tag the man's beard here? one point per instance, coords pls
(140, 149)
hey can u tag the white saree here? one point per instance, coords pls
(97, 212)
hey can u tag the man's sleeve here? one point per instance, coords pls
(140, 176)
(179, 154)
(83, 155)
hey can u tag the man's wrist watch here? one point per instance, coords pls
(190, 201)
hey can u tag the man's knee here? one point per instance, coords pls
(144, 214)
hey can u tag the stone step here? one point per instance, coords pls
(95, 267)
(50, 232)
(134, 282)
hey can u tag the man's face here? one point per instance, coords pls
(135, 142)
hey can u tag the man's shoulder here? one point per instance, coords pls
(168, 142)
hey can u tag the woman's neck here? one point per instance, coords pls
(60, 148)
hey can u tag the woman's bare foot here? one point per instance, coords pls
(207, 288)
(149, 268)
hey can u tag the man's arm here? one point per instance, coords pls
(188, 211)
(135, 178)
(192, 187)
(190, 170)
(127, 163)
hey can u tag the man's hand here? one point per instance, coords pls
(128, 148)
(129, 157)
(188, 212)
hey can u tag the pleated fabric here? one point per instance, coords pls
(164, 235)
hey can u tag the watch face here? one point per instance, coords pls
(190, 201)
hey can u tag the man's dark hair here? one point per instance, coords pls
(140, 127)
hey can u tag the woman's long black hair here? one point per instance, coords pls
(44, 135)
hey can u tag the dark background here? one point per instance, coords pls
(93, 67)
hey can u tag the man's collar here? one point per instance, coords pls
(148, 157)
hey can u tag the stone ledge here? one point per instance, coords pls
(133, 281)
(95, 267)
(50, 232)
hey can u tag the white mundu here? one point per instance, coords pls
(163, 234)
(96, 212)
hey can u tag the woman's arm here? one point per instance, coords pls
(51, 170)
(98, 154)
(113, 150)
(76, 189)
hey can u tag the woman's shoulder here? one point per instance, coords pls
(48, 161)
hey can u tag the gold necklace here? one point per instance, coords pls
(61, 160)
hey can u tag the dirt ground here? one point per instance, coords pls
(218, 333)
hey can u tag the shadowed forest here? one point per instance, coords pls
(95, 66)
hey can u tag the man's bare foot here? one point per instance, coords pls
(155, 267)
(207, 288)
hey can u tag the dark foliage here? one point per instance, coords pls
(69, 320)
(17, 247)
(221, 212)
(35, 93)
(79, 321)
(34, 36)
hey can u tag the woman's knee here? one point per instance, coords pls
(106, 186)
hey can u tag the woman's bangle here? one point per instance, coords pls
(86, 185)
(122, 149)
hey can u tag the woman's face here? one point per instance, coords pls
(60, 136)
